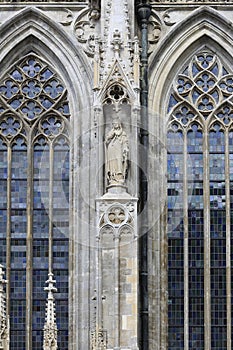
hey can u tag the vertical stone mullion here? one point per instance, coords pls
(99, 315)
(8, 228)
(51, 162)
(207, 295)
(116, 290)
(186, 270)
(228, 239)
(29, 243)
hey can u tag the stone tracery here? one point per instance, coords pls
(199, 128)
(33, 124)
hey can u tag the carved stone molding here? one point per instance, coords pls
(116, 216)
(4, 319)
(188, 1)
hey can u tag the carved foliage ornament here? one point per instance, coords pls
(155, 23)
(99, 340)
(50, 336)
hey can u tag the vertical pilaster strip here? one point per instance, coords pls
(207, 296)
(144, 12)
(116, 290)
(186, 246)
(99, 315)
(29, 264)
(51, 160)
(228, 239)
(8, 228)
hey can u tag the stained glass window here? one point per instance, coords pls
(34, 203)
(200, 167)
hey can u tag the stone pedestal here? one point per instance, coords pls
(117, 269)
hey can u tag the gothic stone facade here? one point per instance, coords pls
(116, 180)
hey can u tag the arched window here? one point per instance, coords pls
(34, 203)
(200, 204)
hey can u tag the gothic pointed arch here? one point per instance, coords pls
(45, 91)
(36, 31)
(204, 26)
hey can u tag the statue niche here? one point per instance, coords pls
(117, 150)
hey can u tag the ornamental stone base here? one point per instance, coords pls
(117, 269)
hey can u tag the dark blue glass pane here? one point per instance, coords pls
(18, 223)
(196, 333)
(3, 191)
(41, 194)
(195, 195)
(18, 284)
(40, 223)
(2, 251)
(216, 141)
(62, 279)
(175, 224)
(60, 254)
(62, 314)
(17, 341)
(175, 167)
(40, 254)
(3, 160)
(18, 253)
(61, 223)
(41, 164)
(218, 240)
(62, 339)
(39, 278)
(19, 164)
(219, 338)
(196, 278)
(3, 223)
(176, 293)
(37, 339)
(176, 338)
(176, 253)
(218, 224)
(19, 194)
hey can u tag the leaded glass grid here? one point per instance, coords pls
(34, 203)
(200, 175)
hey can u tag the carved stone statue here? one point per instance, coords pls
(117, 150)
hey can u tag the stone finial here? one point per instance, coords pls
(4, 319)
(50, 327)
(117, 43)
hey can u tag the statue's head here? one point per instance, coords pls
(116, 124)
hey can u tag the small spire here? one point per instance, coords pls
(50, 327)
(4, 319)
